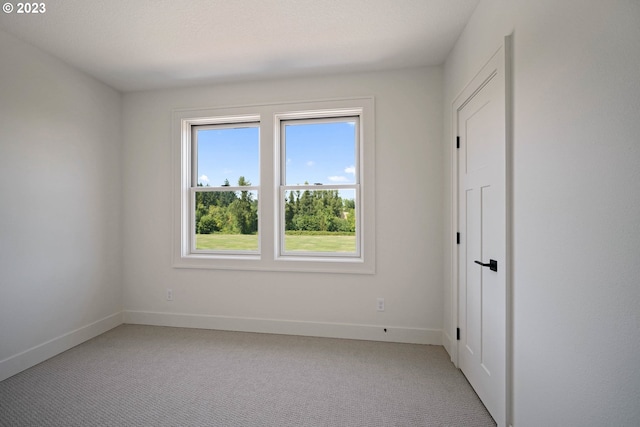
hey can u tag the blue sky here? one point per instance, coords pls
(228, 154)
(315, 153)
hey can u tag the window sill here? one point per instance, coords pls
(281, 264)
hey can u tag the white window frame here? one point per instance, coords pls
(269, 256)
(195, 189)
(309, 117)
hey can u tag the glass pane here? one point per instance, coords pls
(320, 221)
(320, 153)
(226, 220)
(228, 156)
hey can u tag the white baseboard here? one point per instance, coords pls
(451, 346)
(286, 327)
(447, 342)
(31, 357)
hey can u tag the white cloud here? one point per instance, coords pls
(337, 178)
(204, 178)
(350, 169)
(311, 163)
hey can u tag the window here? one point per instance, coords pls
(319, 187)
(276, 187)
(225, 183)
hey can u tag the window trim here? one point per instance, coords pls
(266, 114)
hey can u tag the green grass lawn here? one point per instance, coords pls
(302, 243)
(320, 243)
(225, 242)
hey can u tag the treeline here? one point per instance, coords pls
(306, 212)
(226, 211)
(319, 211)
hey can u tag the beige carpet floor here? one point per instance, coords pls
(155, 376)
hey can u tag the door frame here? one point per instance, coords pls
(504, 71)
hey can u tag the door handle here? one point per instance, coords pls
(492, 264)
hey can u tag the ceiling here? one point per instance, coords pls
(151, 44)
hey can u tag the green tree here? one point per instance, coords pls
(226, 197)
(245, 210)
(289, 211)
(206, 225)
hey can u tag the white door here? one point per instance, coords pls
(482, 303)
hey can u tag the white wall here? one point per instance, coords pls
(576, 203)
(409, 220)
(60, 266)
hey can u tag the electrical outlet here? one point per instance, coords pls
(380, 304)
(169, 294)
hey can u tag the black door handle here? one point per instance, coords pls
(493, 264)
